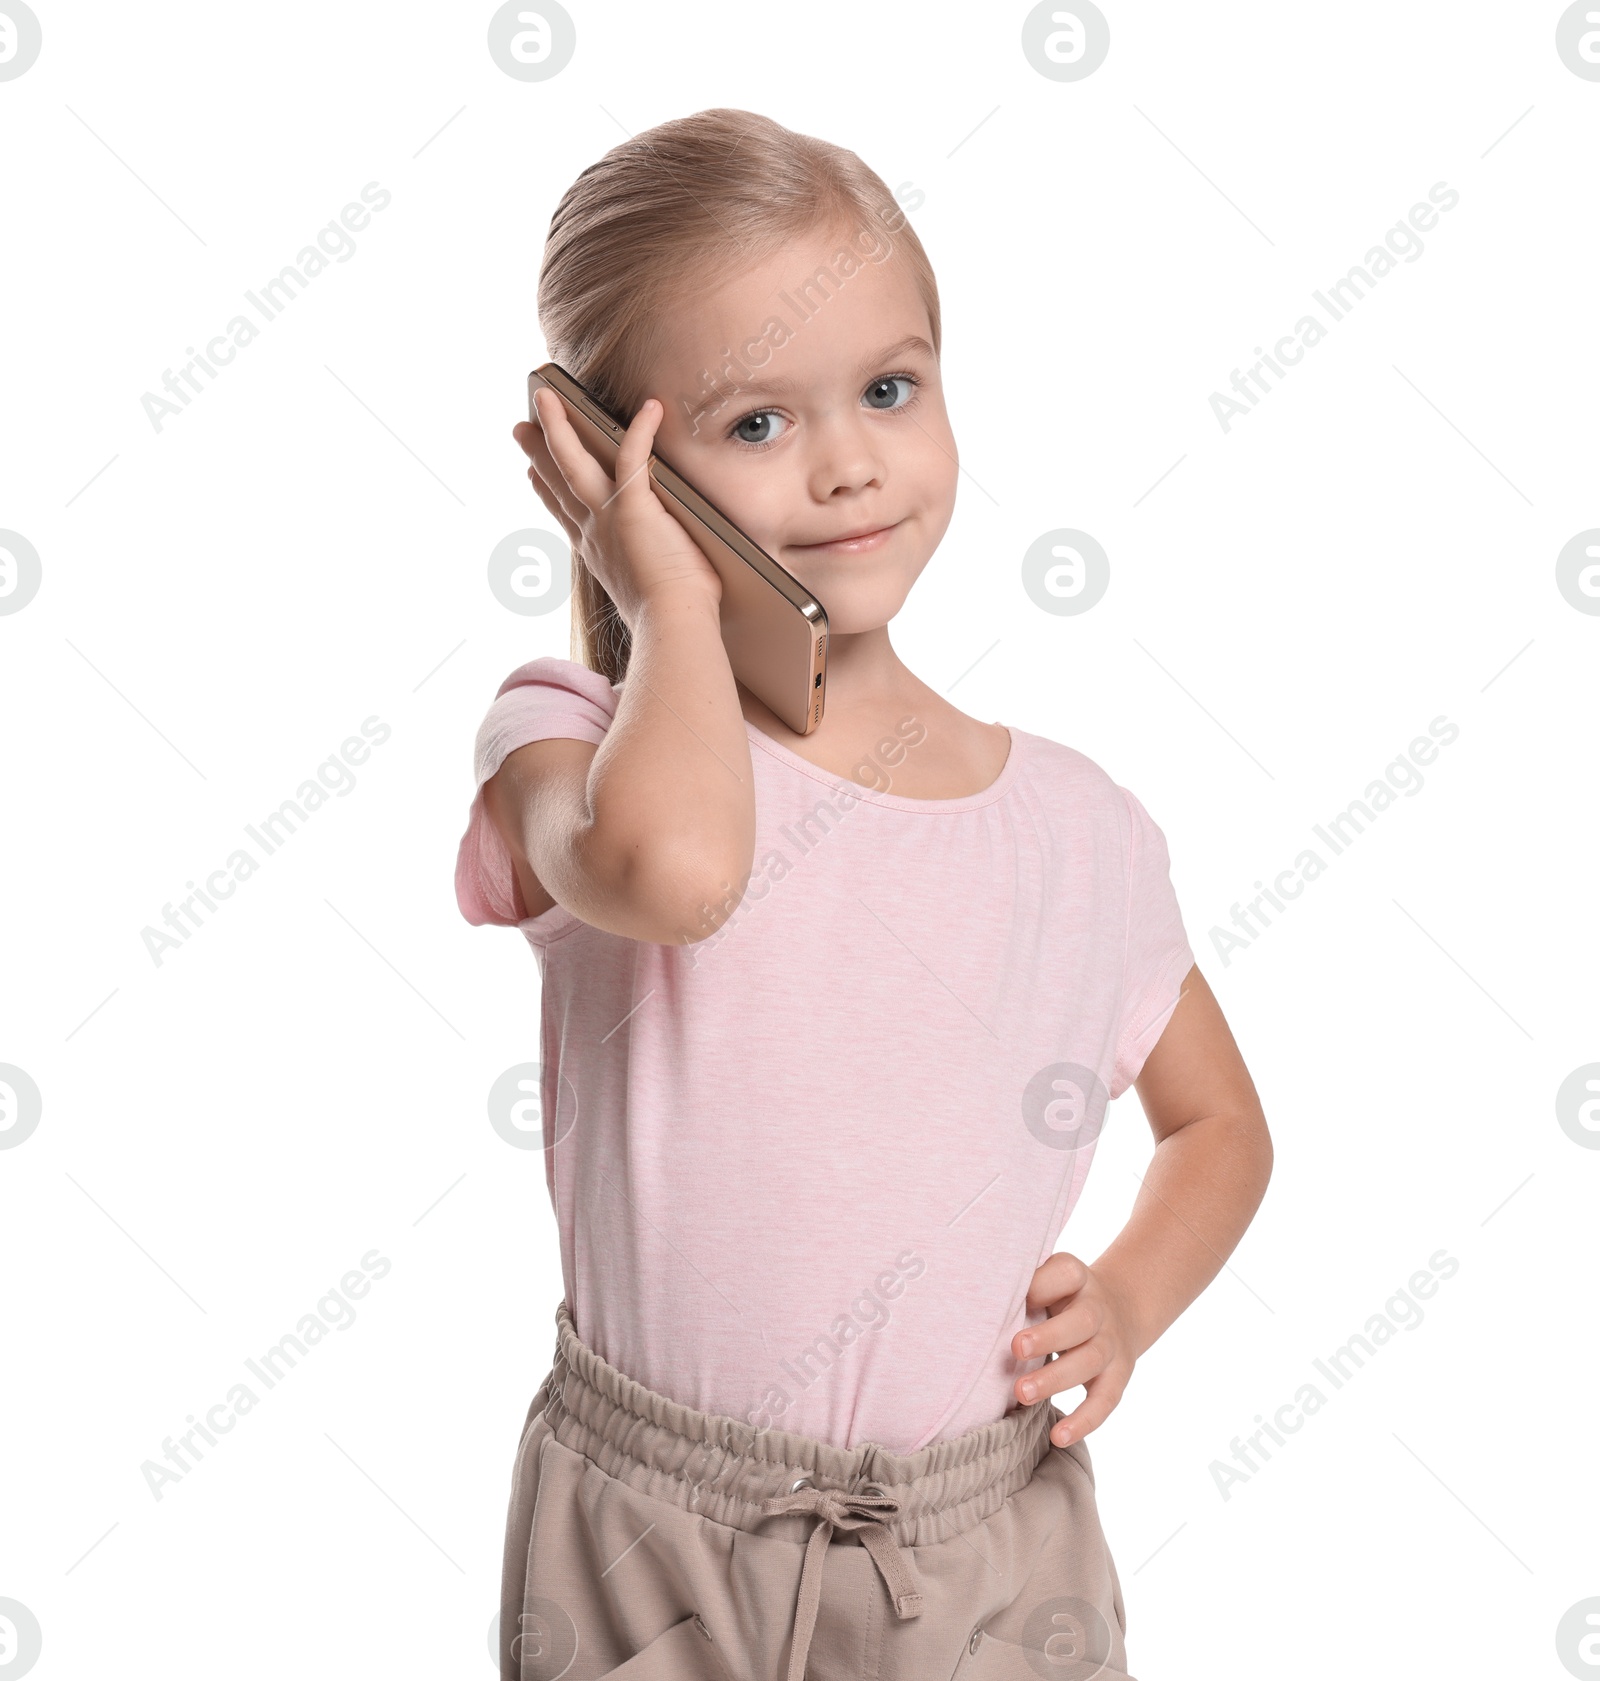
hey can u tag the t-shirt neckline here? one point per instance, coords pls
(997, 789)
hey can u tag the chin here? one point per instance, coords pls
(858, 606)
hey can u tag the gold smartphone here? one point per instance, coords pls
(774, 629)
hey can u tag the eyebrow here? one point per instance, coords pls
(784, 385)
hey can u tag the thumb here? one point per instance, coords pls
(633, 455)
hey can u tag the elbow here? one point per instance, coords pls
(1264, 1155)
(699, 898)
(682, 899)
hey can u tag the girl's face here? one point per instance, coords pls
(805, 403)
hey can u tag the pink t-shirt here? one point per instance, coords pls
(804, 1169)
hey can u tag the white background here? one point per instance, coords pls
(224, 1134)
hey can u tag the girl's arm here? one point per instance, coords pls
(650, 833)
(1210, 1169)
(1212, 1161)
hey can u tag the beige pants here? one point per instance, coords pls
(647, 1541)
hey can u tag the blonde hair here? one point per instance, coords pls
(633, 238)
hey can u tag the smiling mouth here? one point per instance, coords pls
(868, 538)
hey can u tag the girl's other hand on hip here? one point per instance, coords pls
(1089, 1330)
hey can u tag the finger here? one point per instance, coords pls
(633, 456)
(548, 479)
(553, 503)
(1066, 1371)
(530, 436)
(1079, 1320)
(1060, 1276)
(1100, 1397)
(528, 433)
(589, 481)
(535, 442)
(546, 470)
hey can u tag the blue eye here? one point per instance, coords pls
(881, 394)
(760, 419)
(754, 431)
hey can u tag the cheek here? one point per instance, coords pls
(758, 504)
(936, 446)
(940, 476)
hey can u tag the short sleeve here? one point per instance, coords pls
(1157, 953)
(547, 697)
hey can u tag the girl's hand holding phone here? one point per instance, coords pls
(1091, 1332)
(618, 527)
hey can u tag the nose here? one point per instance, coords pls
(846, 457)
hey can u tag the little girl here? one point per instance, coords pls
(830, 1022)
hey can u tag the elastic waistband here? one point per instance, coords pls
(727, 1470)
